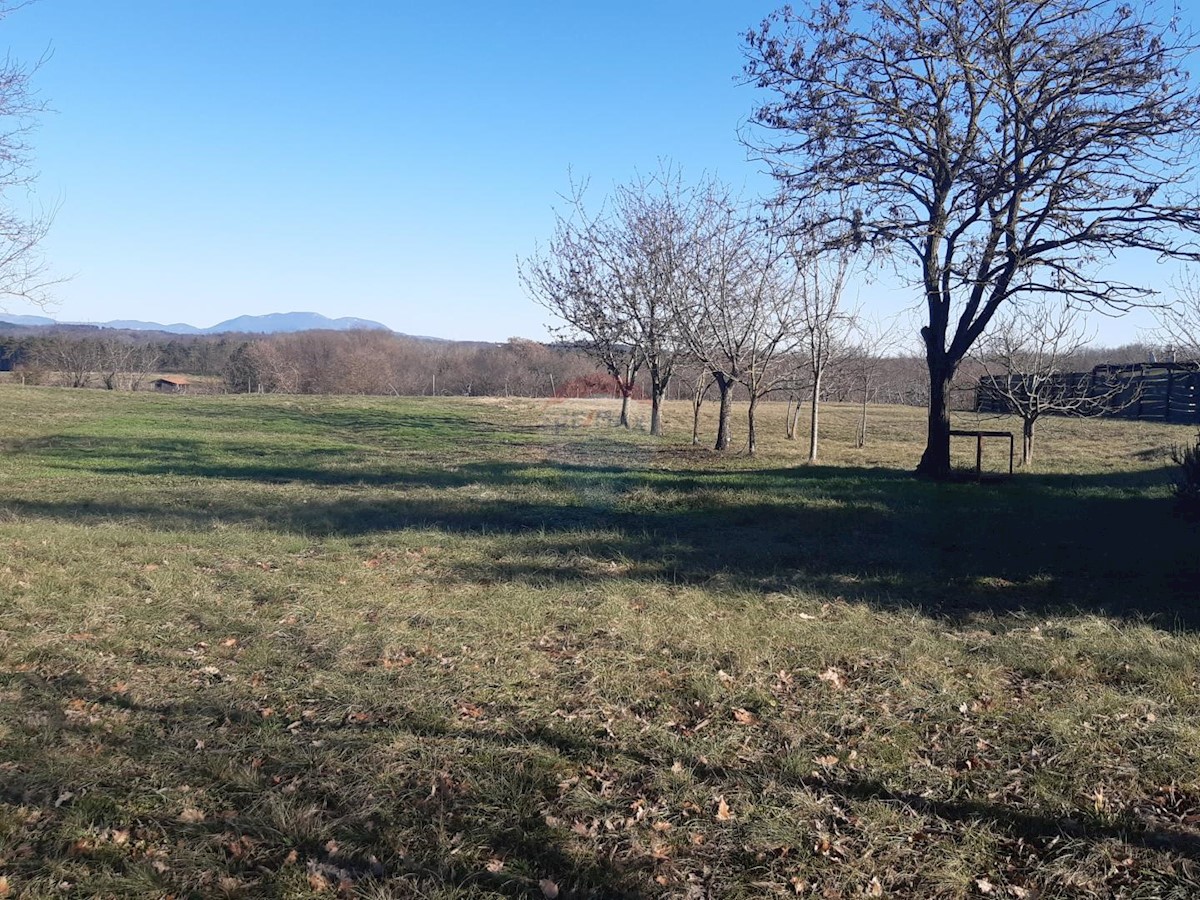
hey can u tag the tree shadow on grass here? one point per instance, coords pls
(1036, 542)
(497, 794)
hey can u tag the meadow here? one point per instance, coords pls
(270, 646)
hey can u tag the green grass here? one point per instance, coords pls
(284, 647)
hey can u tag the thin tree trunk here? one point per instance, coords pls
(861, 438)
(1027, 441)
(935, 461)
(658, 393)
(699, 393)
(814, 418)
(795, 423)
(788, 422)
(656, 414)
(725, 387)
(626, 385)
(752, 440)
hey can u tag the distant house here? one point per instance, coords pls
(171, 384)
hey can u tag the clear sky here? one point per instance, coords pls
(388, 160)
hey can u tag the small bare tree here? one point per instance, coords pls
(1179, 322)
(1027, 358)
(615, 277)
(74, 359)
(739, 317)
(824, 324)
(863, 365)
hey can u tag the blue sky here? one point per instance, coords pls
(388, 160)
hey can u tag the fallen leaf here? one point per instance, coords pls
(833, 677)
(985, 886)
(191, 815)
(549, 888)
(828, 761)
(318, 882)
(744, 717)
(4, 888)
(495, 864)
(723, 813)
(875, 888)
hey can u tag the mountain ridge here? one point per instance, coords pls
(269, 323)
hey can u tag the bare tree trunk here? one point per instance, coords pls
(788, 421)
(1027, 427)
(658, 393)
(626, 386)
(814, 418)
(935, 461)
(699, 393)
(795, 423)
(725, 387)
(656, 400)
(752, 440)
(860, 439)
(623, 422)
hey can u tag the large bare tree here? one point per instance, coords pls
(997, 149)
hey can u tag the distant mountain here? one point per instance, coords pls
(273, 323)
(26, 320)
(136, 325)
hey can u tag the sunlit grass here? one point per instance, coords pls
(270, 646)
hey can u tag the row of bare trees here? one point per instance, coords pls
(666, 275)
(998, 152)
(114, 363)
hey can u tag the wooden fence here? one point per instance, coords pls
(1163, 392)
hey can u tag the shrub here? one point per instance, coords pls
(1187, 489)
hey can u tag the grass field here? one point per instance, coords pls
(289, 647)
